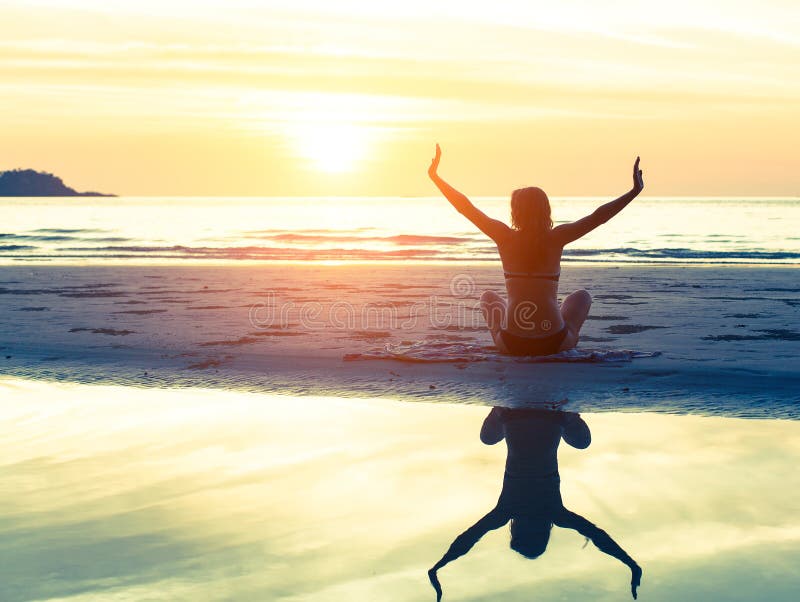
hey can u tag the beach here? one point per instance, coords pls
(719, 340)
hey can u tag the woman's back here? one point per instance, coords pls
(531, 272)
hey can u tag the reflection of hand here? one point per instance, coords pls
(437, 586)
(636, 579)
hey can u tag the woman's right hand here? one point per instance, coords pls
(638, 182)
(435, 163)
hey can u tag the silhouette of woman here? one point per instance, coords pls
(531, 496)
(531, 323)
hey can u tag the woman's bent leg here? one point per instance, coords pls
(574, 310)
(494, 312)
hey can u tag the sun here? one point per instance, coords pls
(331, 147)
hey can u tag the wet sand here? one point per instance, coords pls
(726, 337)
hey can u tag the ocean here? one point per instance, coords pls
(166, 230)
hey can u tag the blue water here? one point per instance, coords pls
(650, 230)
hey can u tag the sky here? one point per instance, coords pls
(311, 97)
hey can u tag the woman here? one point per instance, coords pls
(531, 495)
(531, 323)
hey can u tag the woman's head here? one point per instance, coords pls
(530, 210)
(529, 537)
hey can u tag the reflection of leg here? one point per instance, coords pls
(574, 310)
(494, 312)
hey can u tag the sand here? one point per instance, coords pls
(727, 337)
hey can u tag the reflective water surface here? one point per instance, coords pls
(176, 230)
(148, 494)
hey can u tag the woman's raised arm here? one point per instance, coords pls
(567, 233)
(494, 229)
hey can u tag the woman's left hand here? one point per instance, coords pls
(435, 163)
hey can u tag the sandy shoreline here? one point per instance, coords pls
(727, 336)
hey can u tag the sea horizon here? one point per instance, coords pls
(668, 230)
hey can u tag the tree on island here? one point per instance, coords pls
(28, 182)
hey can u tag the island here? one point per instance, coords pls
(28, 182)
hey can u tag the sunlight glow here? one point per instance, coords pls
(232, 95)
(331, 147)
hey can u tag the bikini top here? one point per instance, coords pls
(541, 275)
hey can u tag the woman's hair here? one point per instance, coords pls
(530, 210)
(529, 538)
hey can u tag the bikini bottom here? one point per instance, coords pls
(548, 345)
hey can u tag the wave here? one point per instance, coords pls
(278, 252)
(255, 252)
(15, 248)
(400, 239)
(68, 230)
(270, 231)
(435, 352)
(683, 253)
(349, 245)
(39, 238)
(58, 237)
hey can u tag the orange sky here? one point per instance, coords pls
(307, 97)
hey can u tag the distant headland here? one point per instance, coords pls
(28, 182)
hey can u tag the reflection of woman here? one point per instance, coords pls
(531, 497)
(532, 323)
